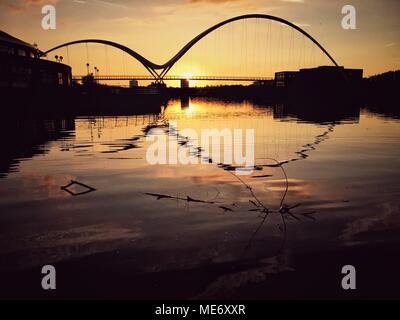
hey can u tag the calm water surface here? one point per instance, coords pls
(343, 191)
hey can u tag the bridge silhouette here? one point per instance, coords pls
(172, 77)
(158, 72)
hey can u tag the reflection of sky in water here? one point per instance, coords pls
(349, 179)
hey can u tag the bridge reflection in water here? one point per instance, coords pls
(31, 136)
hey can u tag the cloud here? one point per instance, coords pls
(296, 1)
(213, 1)
(38, 2)
(392, 44)
(302, 24)
(110, 4)
(17, 6)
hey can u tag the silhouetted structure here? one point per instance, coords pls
(266, 83)
(21, 67)
(285, 78)
(381, 93)
(324, 83)
(184, 83)
(386, 79)
(323, 76)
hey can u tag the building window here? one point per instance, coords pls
(4, 49)
(45, 77)
(60, 79)
(21, 53)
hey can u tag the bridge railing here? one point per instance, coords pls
(166, 78)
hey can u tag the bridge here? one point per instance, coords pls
(158, 72)
(172, 77)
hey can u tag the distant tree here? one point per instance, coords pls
(88, 80)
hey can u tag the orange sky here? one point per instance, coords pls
(157, 29)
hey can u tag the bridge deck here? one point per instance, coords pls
(166, 78)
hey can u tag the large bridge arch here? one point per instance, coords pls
(153, 67)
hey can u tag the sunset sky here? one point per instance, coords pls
(157, 29)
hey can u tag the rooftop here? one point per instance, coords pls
(5, 37)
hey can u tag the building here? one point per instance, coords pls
(328, 76)
(265, 83)
(184, 83)
(320, 86)
(323, 76)
(133, 83)
(386, 79)
(22, 68)
(284, 78)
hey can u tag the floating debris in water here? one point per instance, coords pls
(263, 176)
(225, 208)
(188, 199)
(73, 193)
